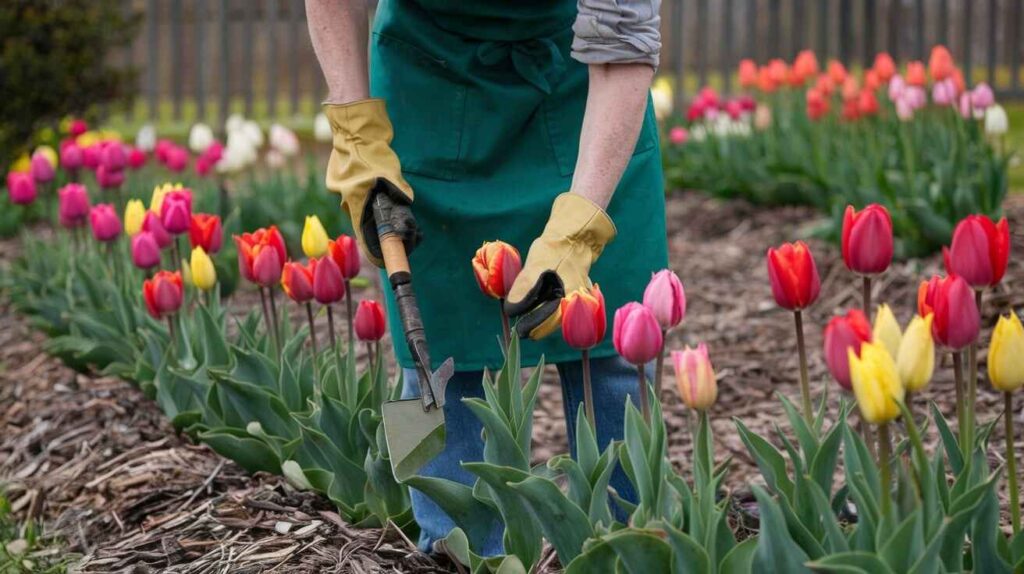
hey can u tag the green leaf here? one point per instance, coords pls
(688, 557)
(565, 525)
(851, 563)
(250, 453)
(949, 441)
(476, 519)
(899, 550)
(768, 459)
(776, 553)
(740, 559)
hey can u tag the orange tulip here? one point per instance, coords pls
(805, 66)
(583, 318)
(940, 63)
(885, 67)
(345, 253)
(837, 72)
(297, 280)
(916, 74)
(748, 73)
(765, 83)
(261, 255)
(496, 266)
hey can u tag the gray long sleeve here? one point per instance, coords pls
(617, 32)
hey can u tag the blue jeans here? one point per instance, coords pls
(613, 380)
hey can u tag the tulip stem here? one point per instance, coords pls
(588, 391)
(805, 386)
(866, 295)
(266, 310)
(330, 327)
(176, 253)
(371, 359)
(972, 378)
(645, 403)
(173, 333)
(958, 375)
(312, 340)
(884, 454)
(348, 306)
(273, 318)
(1011, 462)
(506, 331)
(659, 365)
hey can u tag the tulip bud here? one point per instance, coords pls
(314, 237)
(163, 293)
(369, 321)
(297, 280)
(113, 156)
(980, 251)
(583, 318)
(636, 333)
(91, 156)
(134, 214)
(867, 239)
(887, 330)
(842, 335)
(957, 321)
(876, 383)
(328, 283)
(176, 211)
(793, 275)
(1006, 355)
(255, 262)
(145, 250)
(665, 297)
(41, 168)
(997, 123)
(205, 231)
(915, 360)
(695, 377)
(496, 266)
(204, 274)
(151, 223)
(345, 252)
(21, 188)
(105, 224)
(73, 208)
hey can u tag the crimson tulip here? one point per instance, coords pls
(345, 252)
(951, 300)
(867, 239)
(842, 335)
(21, 188)
(261, 255)
(176, 211)
(145, 250)
(636, 333)
(370, 323)
(793, 275)
(297, 280)
(328, 283)
(163, 293)
(106, 225)
(73, 207)
(109, 178)
(151, 223)
(496, 266)
(980, 251)
(205, 231)
(583, 318)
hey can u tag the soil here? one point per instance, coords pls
(102, 469)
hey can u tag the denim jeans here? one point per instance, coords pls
(613, 381)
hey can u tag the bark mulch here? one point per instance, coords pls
(101, 467)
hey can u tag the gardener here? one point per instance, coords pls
(527, 121)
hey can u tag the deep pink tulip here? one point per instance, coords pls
(176, 211)
(74, 205)
(678, 135)
(842, 334)
(21, 188)
(91, 156)
(106, 225)
(70, 156)
(177, 159)
(163, 293)
(151, 223)
(77, 127)
(867, 239)
(145, 250)
(41, 168)
(980, 251)
(951, 300)
(369, 321)
(328, 283)
(666, 298)
(636, 333)
(113, 156)
(109, 178)
(161, 149)
(136, 158)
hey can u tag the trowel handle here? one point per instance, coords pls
(391, 245)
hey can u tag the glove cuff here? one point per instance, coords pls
(577, 218)
(364, 119)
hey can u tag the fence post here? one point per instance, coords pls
(271, 7)
(919, 16)
(678, 54)
(968, 21)
(726, 57)
(869, 33)
(225, 62)
(796, 32)
(247, 39)
(823, 26)
(992, 25)
(293, 54)
(1015, 47)
(775, 28)
(894, 29)
(176, 90)
(702, 51)
(199, 15)
(153, 64)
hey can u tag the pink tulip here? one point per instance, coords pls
(113, 156)
(944, 92)
(145, 250)
(896, 86)
(41, 168)
(666, 299)
(21, 188)
(964, 106)
(73, 209)
(91, 156)
(151, 223)
(981, 98)
(176, 211)
(636, 333)
(106, 225)
(678, 135)
(109, 178)
(369, 321)
(177, 159)
(70, 156)
(980, 251)
(328, 283)
(695, 377)
(136, 158)
(77, 127)
(161, 149)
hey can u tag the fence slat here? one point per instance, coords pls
(752, 33)
(943, 36)
(702, 51)
(199, 19)
(967, 22)
(293, 54)
(894, 28)
(1015, 45)
(152, 61)
(845, 30)
(679, 54)
(993, 8)
(870, 25)
(919, 18)
(176, 86)
(726, 57)
(249, 8)
(775, 30)
(271, 33)
(225, 61)
(797, 27)
(823, 28)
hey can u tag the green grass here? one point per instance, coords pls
(1015, 141)
(24, 550)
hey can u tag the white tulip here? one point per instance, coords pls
(252, 130)
(284, 140)
(239, 153)
(200, 137)
(322, 128)
(234, 123)
(145, 140)
(996, 122)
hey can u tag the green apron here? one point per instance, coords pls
(487, 107)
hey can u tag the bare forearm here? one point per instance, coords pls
(338, 30)
(614, 115)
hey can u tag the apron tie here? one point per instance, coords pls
(538, 61)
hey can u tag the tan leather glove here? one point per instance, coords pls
(363, 164)
(558, 263)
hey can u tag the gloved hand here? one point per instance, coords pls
(363, 164)
(558, 263)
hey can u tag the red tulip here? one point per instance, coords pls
(884, 67)
(176, 211)
(843, 334)
(867, 239)
(106, 225)
(748, 73)
(636, 333)
(145, 250)
(328, 283)
(205, 231)
(666, 299)
(73, 209)
(496, 266)
(151, 223)
(21, 188)
(951, 300)
(261, 255)
(805, 66)
(793, 275)
(77, 127)
(940, 63)
(345, 252)
(583, 318)
(916, 74)
(980, 251)
(297, 280)
(163, 293)
(867, 102)
(837, 72)
(369, 321)
(817, 104)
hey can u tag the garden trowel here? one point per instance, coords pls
(413, 428)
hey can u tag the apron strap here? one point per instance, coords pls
(538, 61)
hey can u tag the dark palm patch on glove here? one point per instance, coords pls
(399, 218)
(540, 302)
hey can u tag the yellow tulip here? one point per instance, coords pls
(916, 358)
(156, 202)
(876, 383)
(203, 273)
(1006, 354)
(314, 237)
(134, 213)
(49, 153)
(22, 165)
(886, 330)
